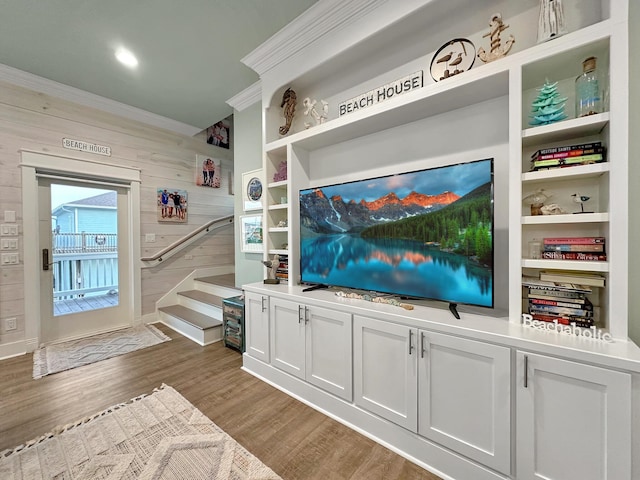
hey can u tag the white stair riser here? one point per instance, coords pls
(212, 311)
(201, 337)
(224, 292)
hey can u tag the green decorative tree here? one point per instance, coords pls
(548, 107)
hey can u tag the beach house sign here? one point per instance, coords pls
(382, 94)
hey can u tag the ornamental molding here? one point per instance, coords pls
(324, 17)
(246, 97)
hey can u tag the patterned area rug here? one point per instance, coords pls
(64, 356)
(160, 436)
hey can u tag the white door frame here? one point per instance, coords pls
(33, 163)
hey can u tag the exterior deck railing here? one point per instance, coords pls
(84, 264)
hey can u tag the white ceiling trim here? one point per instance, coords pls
(320, 19)
(247, 97)
(28, 80)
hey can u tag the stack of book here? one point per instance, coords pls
(282, 272)
(575, 248)
(567, 156)
(566, 303)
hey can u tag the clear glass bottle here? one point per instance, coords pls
(588, 101)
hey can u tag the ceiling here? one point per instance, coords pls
(189, 52)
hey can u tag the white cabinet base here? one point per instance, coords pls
(409, 445)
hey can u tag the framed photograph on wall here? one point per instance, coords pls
(251, 233)
(172, 205)
(252, 190)
(208, 171)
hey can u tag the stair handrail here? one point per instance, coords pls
(178, 245)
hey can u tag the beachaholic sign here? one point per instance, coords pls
(592, 333)
(82, 146)
(383, 93)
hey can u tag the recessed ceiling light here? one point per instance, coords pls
(127, 58)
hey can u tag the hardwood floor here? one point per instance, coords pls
(296, 441)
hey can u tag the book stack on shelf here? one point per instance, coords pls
(575, 248)
(567, 156)
(558, 301)
(282, 272)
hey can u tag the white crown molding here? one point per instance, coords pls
(65, 92)
(247, 97)
(314, 23)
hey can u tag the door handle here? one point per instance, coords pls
(410, 341)
(299, 313)
(45, 259)
(262, 305)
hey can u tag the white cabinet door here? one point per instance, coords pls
(287, 336)
(464, 397)
(257, 326)
(573, 421)
(328, 351)
(385, 370)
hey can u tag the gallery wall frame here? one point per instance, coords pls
(251, 234)
(252, 190)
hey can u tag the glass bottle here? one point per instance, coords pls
(588, 101)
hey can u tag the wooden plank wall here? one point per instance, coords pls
(38, 122)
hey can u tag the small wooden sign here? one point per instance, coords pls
(382, 94)
(83, 146)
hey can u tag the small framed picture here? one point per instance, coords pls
(252, 190)
(251, 233)
(207, 171)
(172, 205)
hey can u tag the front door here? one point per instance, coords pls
(83, 232)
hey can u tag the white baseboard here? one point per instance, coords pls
(13, 349)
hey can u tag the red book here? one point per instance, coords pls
(573, 240)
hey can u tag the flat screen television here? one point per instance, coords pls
(426, 234)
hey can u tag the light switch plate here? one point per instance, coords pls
(8, 229)
(10, 216)
(9, 244)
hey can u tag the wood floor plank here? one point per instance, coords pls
(296, 441)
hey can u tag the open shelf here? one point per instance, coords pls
(565, 218)
(561, 131)
(577, 265)
(562, 174)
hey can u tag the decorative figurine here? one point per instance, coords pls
(288, 105)
(551, 22)
(282, 224)
(552, 209)
(580, 199)
(548, 107)
(272, 265)
(536, 200)
(496, 27)
(310, 109)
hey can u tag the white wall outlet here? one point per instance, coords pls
(10, 324)
(9, 244)
(9, 230)
(150, 238)
(9, 259)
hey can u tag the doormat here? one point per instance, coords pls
(157, 436)
(76, 353)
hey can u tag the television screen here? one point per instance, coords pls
(424, 234)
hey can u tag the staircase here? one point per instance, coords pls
(195, 308)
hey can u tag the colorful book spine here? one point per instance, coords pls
(567, 148)
(573, 240)
(583, 256)
(593, 158)
(561, 295)
(587, 306)
(569, 153)
(548, 309)
(579, 322)
(574, 247)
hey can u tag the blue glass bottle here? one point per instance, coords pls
(588, 101)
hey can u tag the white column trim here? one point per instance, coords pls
(247, 97)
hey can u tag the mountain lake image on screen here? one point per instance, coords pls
(426, 234)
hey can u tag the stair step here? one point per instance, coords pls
(203, 297)
(227, 280)
(197, 319)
